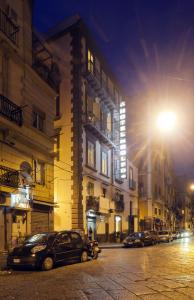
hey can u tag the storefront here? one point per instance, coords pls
(42, 217)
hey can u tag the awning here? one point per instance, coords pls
(44, 203)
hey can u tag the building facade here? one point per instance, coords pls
(27, 104)
(152, 157)
(92, 186)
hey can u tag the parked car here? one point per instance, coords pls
(155, 235)
(175, 235)
(186, 233)
(44, 250)
(139, 239)
(165, 236)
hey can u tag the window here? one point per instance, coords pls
(38, 120)
(57, 106)
(90, 62)
(90, 189)
(57, 144)
(103, 192)
(155, 210)
(159, 211)
(39, 172)
(104, 162)
(130, 177)
(91, 153)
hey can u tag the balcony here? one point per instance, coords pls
(132, 184)
(8, 27)
(119, 203)
(99, 86)
(43, 64)
(11, 111)
(118, 177)
(93, 124)
(9, 177)
(92, 203)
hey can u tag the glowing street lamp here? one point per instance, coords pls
(166, 121)
(192, 187)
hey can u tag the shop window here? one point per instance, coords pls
(90, 62)
(39, 172)
(104, 162)
(38, 120)
(91, 153)
(118, 224)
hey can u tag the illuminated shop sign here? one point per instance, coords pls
(21, 198)
(123, 146)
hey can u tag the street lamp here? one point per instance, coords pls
(166, 121)
(192, 187)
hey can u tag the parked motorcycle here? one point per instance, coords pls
(93, 249)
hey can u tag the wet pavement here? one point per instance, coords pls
(164, 271)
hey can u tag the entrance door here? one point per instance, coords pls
(107, 231)
(2, 229)
(92, 227)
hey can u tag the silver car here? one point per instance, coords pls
(165, 236)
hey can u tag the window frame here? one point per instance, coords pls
(88, 140)
(103, 150)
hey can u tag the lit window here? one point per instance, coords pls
(39, 172)
(90, 62)
(91, 154)
(38, 120)
(104, 163)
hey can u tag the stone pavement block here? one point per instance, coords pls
(156, 286)
(171, 284)
(123, 295)
(155, 297)
(109, 285)
(132, 276)
(189, 292)
(96, 294)
(139, 289)
(176, 295)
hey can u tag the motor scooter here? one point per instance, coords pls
(93, 249)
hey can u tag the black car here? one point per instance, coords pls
(139, 239)
(44, 250)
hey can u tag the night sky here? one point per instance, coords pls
(148, 44)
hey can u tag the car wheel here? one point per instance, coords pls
(168, 240)
(84, 256)
(142, 244)
(47, 263)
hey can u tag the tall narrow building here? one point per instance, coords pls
(28, 88)
(92, 187)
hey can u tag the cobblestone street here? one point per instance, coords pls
(165, 271)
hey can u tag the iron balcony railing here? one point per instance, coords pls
(9, 177)
(96, 126)
(10, 110)
(132, 184)
(92, 203)
(8, 27)
(98, 84)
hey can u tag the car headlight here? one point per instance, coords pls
(38, 249)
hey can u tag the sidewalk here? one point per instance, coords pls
(110, 245)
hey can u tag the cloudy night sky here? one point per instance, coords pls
(148, 44)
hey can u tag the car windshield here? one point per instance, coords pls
(136, 235)
(39, 238)
(163, 232)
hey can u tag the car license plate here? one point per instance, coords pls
(16, 260)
